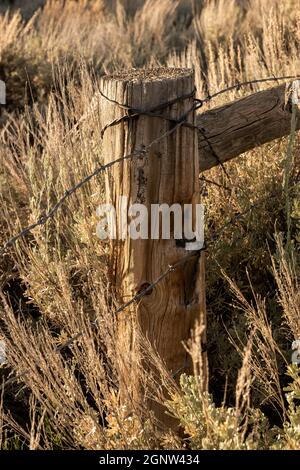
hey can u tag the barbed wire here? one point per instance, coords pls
(137, 153)
(205, 180)
(153, 112)
(170, 269)
(239, 85)
(134, 113)
(201, 102)
(213, 152)
(135, 299)
(141, 153)
(175, 266)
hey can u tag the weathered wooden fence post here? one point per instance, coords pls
(166, 174)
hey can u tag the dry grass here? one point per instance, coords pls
(54, 283)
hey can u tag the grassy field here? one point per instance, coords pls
(54, 282)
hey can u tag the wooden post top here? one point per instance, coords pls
(147, 88)
(149, 75)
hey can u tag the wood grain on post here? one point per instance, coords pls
(168, 174)
(230, 130)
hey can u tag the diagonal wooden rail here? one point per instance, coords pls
(230, 130)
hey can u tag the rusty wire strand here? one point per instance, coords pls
(133, 113)
(153, 112)
(135, 299)
(170, 269)
(214, 183)
(239, 85)
(141, 153)
(181, 122)
(201, 102)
